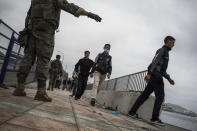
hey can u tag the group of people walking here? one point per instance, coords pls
(99, 69)
(38, 39)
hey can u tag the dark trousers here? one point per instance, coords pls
(75, 85)
(155, 85)
(57, 84)
(64, 84)
(82, 84)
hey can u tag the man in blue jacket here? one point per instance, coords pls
(102, 68)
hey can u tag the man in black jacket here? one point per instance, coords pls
(154, 78)
(83, 67)
(101, 69)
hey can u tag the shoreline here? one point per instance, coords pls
(180, 113)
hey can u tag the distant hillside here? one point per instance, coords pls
(178, 109)
(175, 106)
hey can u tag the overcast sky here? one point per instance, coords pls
(135, 29)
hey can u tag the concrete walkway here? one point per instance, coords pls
(62, 114)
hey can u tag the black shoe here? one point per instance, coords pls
(157, 121)
(76, 98)
(92, 102)
(133, 115)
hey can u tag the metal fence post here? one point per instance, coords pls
(128, 83)
(6, 59)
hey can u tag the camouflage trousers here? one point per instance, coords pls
(53, 77)
(39, 48)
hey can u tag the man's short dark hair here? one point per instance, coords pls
(58, 56)
(168, 38)
(107, 45)
(87, 51)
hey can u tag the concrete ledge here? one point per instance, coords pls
(123, 101)
(106, 98)
(11, 80)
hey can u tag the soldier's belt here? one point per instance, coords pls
(37, 13)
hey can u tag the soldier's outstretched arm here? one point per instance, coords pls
(76, 10)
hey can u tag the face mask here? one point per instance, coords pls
(107, 51)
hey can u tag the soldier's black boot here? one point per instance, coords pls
(41, 94)
(93, 101)
(20, 90)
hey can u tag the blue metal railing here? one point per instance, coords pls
(2, 22)
(7, 58)
(10, 58)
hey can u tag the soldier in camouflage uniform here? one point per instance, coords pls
(54, 71)
(41, 22)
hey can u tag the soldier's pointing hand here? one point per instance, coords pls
(171, 81)
(94, 16)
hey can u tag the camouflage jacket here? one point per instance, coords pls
(56, 66)
(50, 10)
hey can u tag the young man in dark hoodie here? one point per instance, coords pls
(83, 67)
(154, 78)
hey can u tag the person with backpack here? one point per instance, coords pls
(101, 69)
